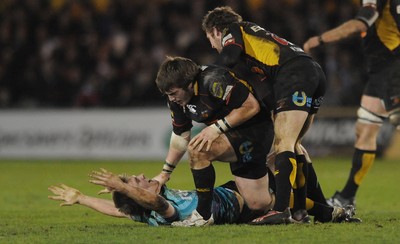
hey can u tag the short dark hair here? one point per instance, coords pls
(176, 72)
(126, 204)
(220, 18)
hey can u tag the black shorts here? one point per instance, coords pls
(300, 84)
(385, 84)
(252, 145)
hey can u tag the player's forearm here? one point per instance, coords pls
(347, 29)
(242, 114)
(145, 198)
(177, 147)
(103, 206)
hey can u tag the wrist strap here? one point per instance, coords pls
(321, 42)
(222, 126)
(168, 167)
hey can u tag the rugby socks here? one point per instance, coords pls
(204, 180)
(314, 190)
(285, 175)
(300, 188)
(322, 213)
(362, 162)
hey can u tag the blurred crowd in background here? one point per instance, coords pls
(106, 53)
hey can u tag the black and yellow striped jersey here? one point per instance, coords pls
(382, 40)
(262, 50)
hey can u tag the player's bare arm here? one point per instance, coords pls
(177, 148)
(347, 29)
(70, 196)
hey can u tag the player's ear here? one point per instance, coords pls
(215, 32)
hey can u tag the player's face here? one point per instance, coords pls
(143, 182)
(180, 96)
(215, 39)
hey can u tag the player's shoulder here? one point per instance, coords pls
(215, 79)
(212, 73)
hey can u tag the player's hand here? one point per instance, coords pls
(69, 195)
(105, 191)
(162, 178)
(107, 179)
(206, 136)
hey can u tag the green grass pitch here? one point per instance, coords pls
(27, 216)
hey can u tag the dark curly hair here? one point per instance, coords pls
(176, 72)
(220, 18)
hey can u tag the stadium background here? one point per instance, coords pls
(77, 77)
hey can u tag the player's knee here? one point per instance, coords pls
(197, 159)
(365, 116)
(394, 118)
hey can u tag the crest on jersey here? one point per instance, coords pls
(217, 90)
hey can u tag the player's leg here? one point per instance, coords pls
(370, 119)
(256, 193)
(314, 190)
(204, 178)
(288, 125)
(323, 213)
(300, 189)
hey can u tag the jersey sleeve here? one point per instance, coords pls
(180, 122)
(232, 46)
(225, 87)
(368, 13)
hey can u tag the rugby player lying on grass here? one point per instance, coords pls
(144, 200)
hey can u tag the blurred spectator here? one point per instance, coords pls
(105, 53)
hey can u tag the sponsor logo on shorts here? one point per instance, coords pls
(245, 149)
(300, 99)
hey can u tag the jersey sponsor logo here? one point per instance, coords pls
(395, 101)
(301, 100)
(204, 114)
(192, 108)
(227, 92)
(217, 90)
(228, 39)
